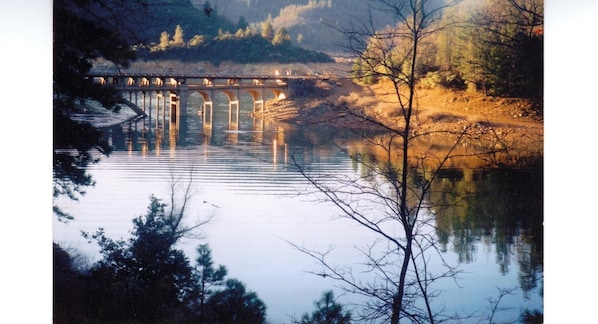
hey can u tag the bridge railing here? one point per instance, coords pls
(175, 80)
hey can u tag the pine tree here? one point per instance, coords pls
(267, 30)
(164, 40)
(282, 36)
(178, 38)
(327, 311)
(207, 276)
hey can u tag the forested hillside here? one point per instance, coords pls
(149, 18)
(310, 23)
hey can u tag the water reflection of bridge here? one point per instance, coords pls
(173, 91)
(157, 138)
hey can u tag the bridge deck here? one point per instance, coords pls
(201, 76)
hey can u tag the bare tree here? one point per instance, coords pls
(177, 216)
(495, 302)
(391, 196)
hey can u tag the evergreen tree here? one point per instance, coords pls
(242, 23)
(164, 40)
(207, 276)
(196, 40)
(236, 305)
(508, 47)
(282, 37)
(267, 30)
(327, 312)
(178, 38)
(142, 279)
(69, 288)
(79, 39)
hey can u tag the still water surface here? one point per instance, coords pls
(243, 176)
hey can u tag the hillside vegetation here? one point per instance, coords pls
(246, 49)
(312, 24)
(495, 47)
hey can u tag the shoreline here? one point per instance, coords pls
(503, 131)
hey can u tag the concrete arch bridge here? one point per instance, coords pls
(177, 88)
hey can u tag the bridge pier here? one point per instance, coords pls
(233, 105)
(177, 86)
(183, 93)
(143, 94)
(258, 104)
(208, 110)
(233, 120)
(158, 114)
(173, 114)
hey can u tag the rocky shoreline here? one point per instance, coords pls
(487, 122)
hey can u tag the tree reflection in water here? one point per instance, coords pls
(501, 207)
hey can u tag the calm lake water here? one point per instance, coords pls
(243, 176)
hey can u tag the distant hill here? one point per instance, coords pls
(311, 24)
(314, 20)
(165, 15)
(249, 49)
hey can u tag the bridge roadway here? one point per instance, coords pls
(181, 76)
(179, 86)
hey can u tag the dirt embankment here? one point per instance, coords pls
(495, 122)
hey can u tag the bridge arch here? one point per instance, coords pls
(159, 87)
(203, 94)
(232, 96)
(279, 94)
(258, 100)
(257, 95)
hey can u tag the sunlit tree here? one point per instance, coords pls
(196, 40)
(281, 37)
(498, 47)
(267, 30)
(178, 37)
(510, 34)
(164, 40)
